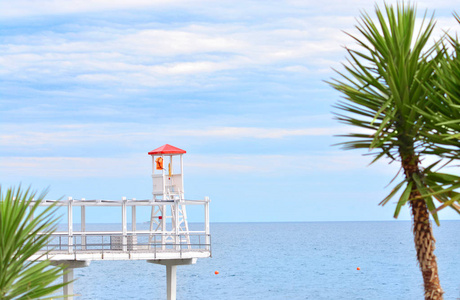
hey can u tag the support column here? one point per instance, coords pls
(171, 273)
(171, 282)
(68, 274)
(68, 289)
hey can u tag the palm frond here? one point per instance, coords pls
(25, 230)
(391, 87)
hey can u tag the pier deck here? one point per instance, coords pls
(169, 241)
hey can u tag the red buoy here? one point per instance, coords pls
(216, 272)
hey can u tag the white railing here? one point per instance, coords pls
(114, 242)
(169, 233)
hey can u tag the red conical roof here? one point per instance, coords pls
(167, 149)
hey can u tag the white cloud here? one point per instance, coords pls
(27, 136)
(172, 56)
(276, 164)
(25, 8)
(223, 9)
(297, 69)
(260, 133)
(72, 167)
(16, 136)
(139, 165)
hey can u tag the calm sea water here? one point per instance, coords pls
(288, 261)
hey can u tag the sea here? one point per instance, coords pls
(271, 261)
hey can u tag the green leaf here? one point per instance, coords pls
(403, 199)
(393, 192)
(25, 230)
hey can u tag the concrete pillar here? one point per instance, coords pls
(68, 274)
(68, 289)
(171, 272)
(171, 282)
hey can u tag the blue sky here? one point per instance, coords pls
(89, 87)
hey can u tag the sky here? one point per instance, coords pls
(89, 87)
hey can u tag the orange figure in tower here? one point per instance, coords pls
(159, 162)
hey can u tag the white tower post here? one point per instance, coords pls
(163, 178)
(182, 177)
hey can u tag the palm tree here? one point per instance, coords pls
(444, 115)
(20, 223)
(444, 120)
(384, 88)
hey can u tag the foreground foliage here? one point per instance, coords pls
(20, 223)
(391, 92)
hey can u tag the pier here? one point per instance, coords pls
(168, 241)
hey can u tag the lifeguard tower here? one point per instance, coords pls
(168, 186)
(168, 241)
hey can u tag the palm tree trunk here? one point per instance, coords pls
(423, 235)
(425, 245)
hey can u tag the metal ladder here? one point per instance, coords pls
(156, 222)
